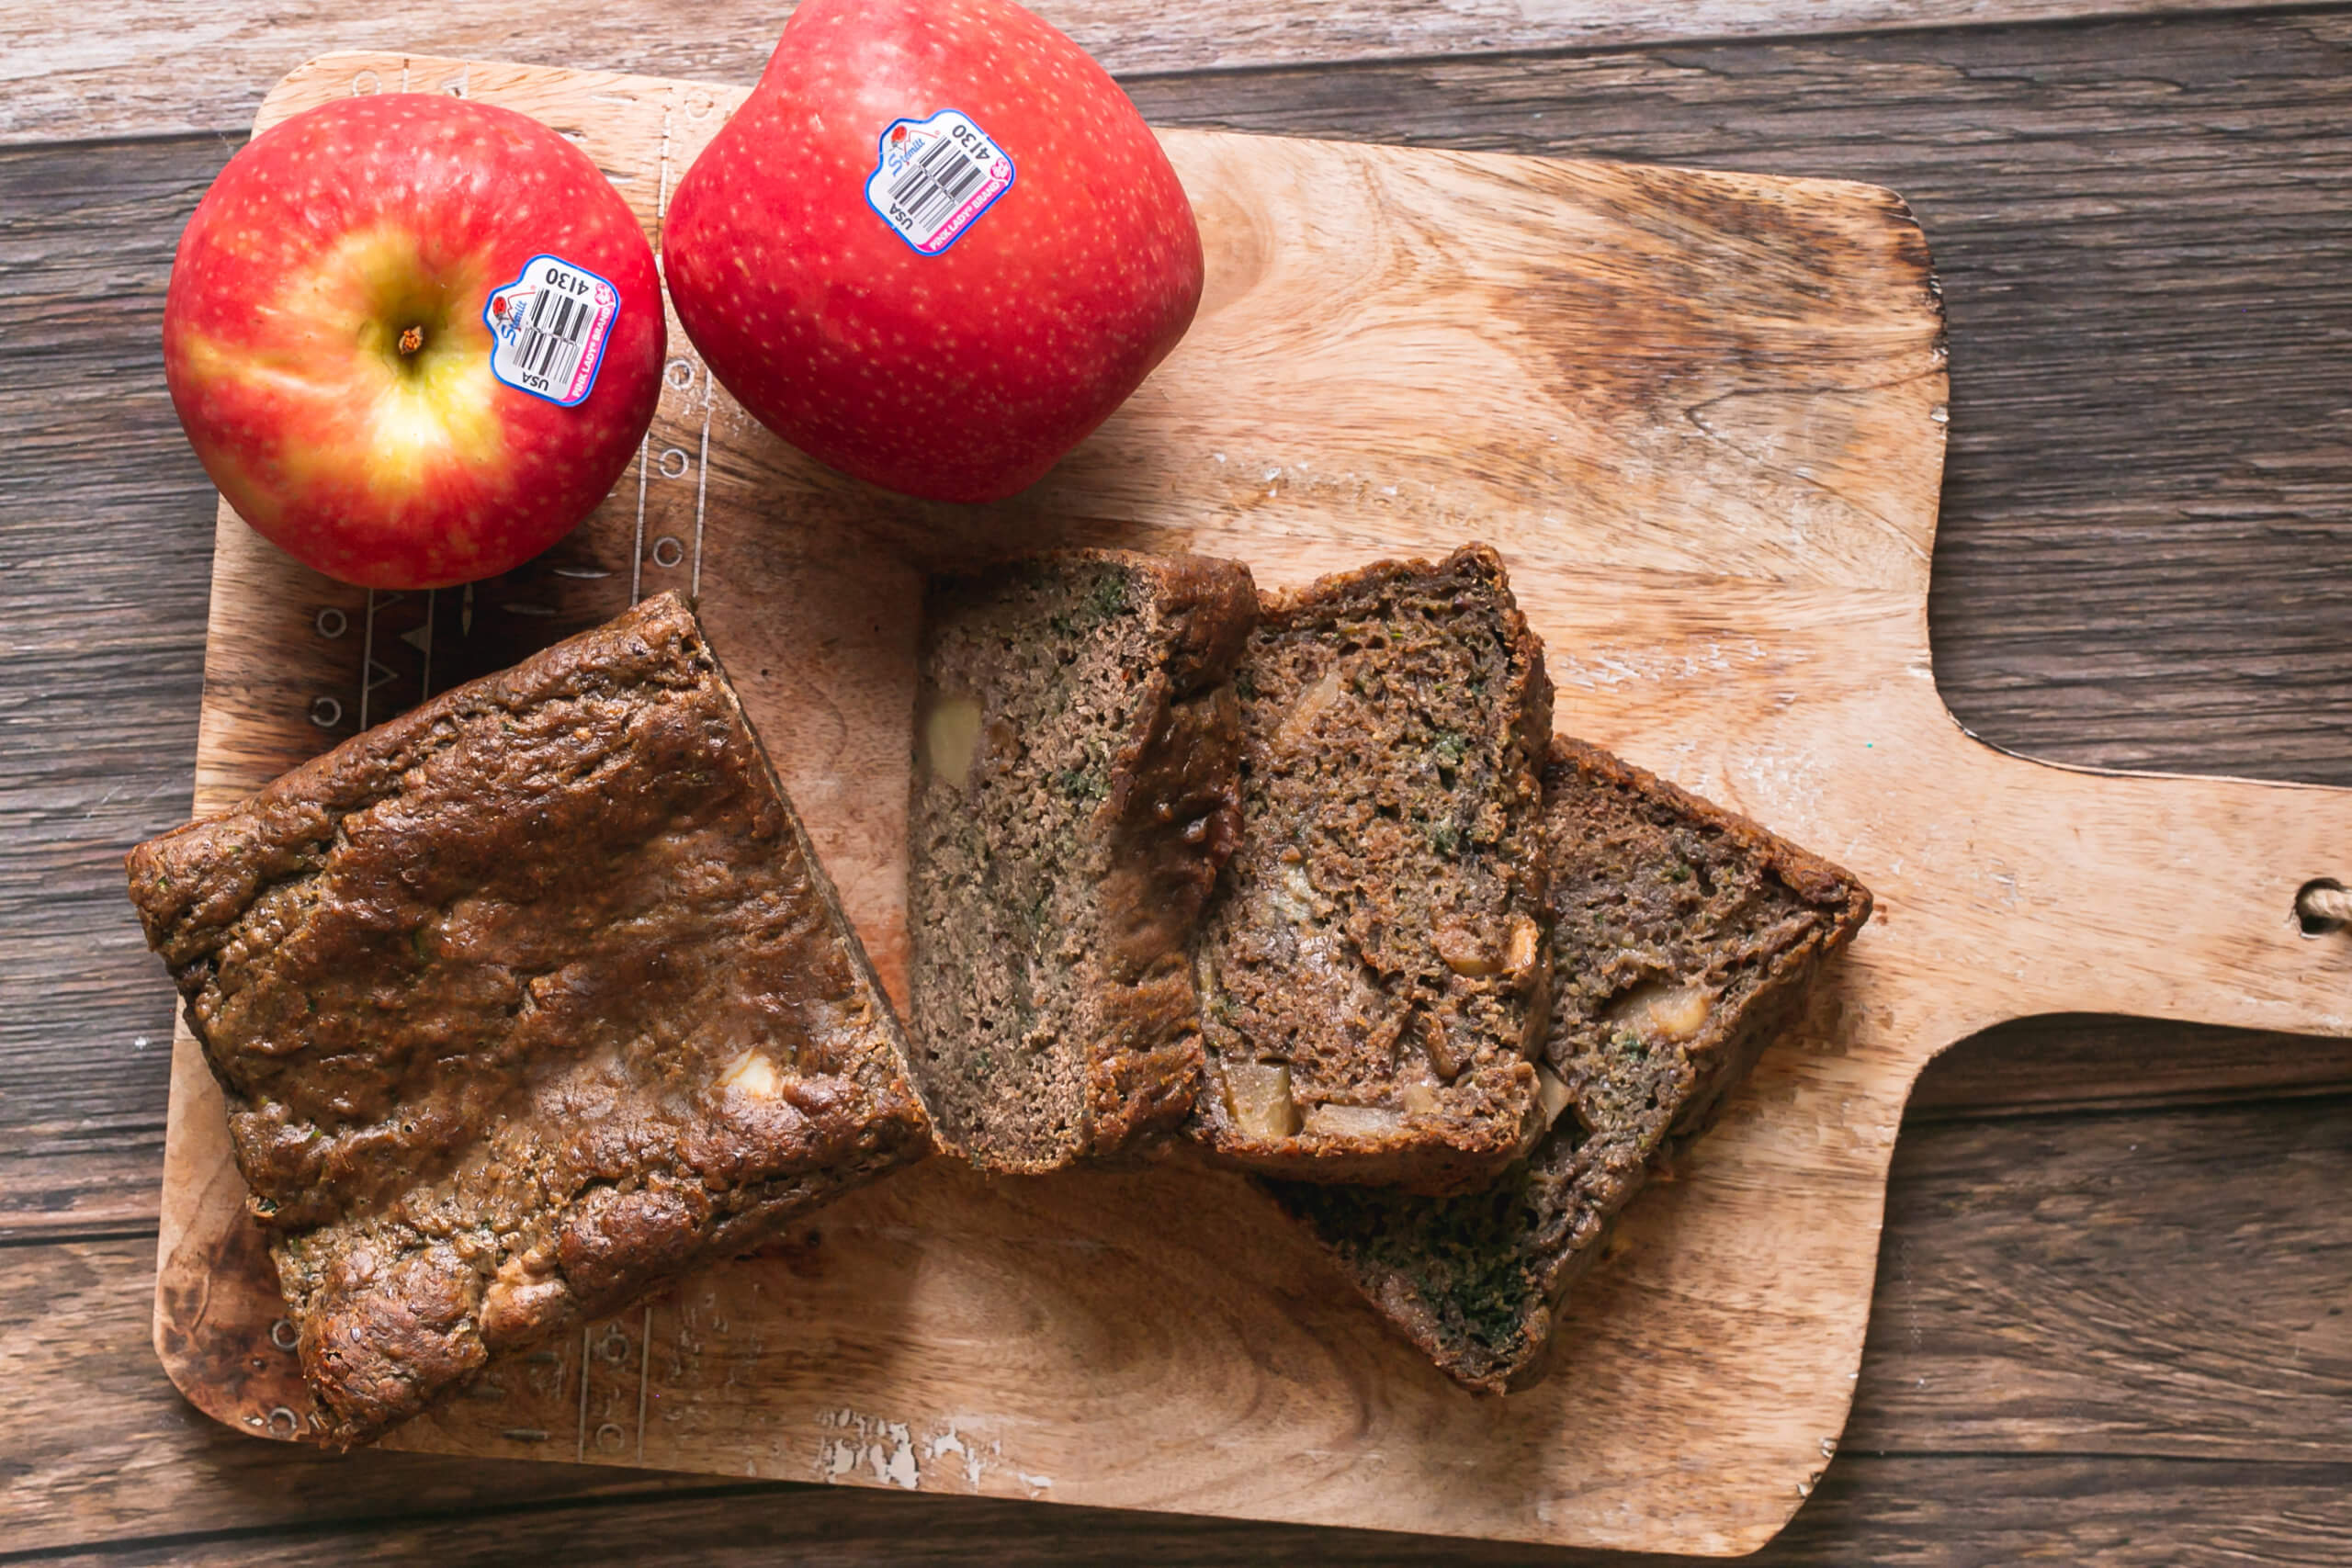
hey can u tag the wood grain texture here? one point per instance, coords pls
(2078, 1338)
(2077, 612)
(98, 707)
(2175, 405)
(2068, 1062)
(1723, 394)
(165, 67)
(2175, 1291)
(2219, 146)
(95, 1445)
(1702, 416)
(1945, 1514)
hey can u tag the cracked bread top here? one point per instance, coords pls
(521, 1003)
(1372, 969)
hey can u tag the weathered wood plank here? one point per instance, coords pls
(2162, 1286)
(2162, 1283)
(2042, 594)
(95, 1444)
(1921, 1512)
(2074, 1062)
(166, 67)
(105, 570)
(2039, 594)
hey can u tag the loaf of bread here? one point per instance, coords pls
(1075, 792)
(522, 1004)
(1684, 939)
(1373, 970)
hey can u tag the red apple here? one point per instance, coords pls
(935, 247)
(334, 310)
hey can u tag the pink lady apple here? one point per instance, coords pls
(935, 247)
(414, 339)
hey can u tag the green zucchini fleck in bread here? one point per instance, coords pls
(1684, 939)
(1372, 969)
(1073, 797)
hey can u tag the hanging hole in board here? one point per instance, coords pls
(678, 471)
(668, 551)
(331, 623)
(365, 85)
(2322, 904)
(679, 374)
(325, 712)
(699, 105)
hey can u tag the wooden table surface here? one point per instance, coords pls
(2113, 1320)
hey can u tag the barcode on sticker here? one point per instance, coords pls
(548, 329)
(933, 178)
(553, 335)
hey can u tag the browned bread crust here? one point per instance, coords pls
(1074, 794)
(523, 1003)
(1685, 938)
(1372, 969)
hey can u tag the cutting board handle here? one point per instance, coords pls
(2209, 900)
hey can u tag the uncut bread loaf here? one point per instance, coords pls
(523, 1003)
(1373, 970)
(1684, 939)
(1074, 794)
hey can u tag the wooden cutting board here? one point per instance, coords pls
(1702, 416)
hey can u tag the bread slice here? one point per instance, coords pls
(1075, 792)
(1373, 971)
(1684, 940)
(523, 1003)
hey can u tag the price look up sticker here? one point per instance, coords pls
(935, 177)
(548, 329)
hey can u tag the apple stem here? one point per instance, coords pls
(410, 341)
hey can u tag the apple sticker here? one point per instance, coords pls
(935, 177)
(548, 329)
